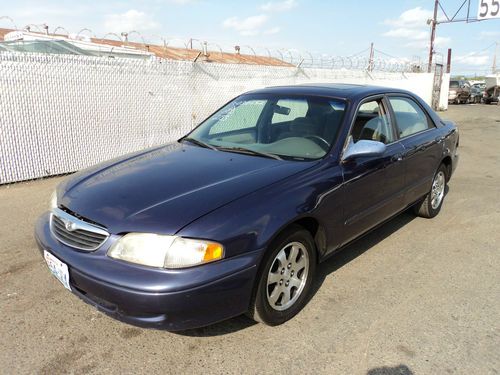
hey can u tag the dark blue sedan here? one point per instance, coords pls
(235, 216)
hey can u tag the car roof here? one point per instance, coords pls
(338, 90)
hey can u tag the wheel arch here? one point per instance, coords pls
(313, 226)
(448, 164)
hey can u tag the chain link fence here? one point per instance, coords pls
(62, 113)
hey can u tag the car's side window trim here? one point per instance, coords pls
(353, 120)
(406, 96)
(392, 120)
(387, 108)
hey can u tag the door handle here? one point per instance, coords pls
(397, 157)
(439, 139)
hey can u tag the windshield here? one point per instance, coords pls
(288, 127)
(454, 84)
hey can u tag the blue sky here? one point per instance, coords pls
(339, 28)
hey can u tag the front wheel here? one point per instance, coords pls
(431, 205)
(285, 278)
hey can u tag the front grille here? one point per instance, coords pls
(75, 232)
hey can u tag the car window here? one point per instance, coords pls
(369, 107)
(289, 110)
(372, 123)
(297, 127)
(410, 118)
(454, 84)
(237, 116)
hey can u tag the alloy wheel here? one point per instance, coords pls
(287, 276)
(437, 192)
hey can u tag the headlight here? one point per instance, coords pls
(53, 200)
(165, 251)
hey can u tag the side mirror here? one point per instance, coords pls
(363, 148)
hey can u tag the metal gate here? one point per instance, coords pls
(436, 87)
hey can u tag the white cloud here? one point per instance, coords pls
(246, 26)
(411, 18)
(182, 2)
(272, 30)
(256, 25)
(489, 34)
(128, 21)
(442, 41)
(411, 27)
(50, 14)
(423, 44)
(472, 59)
(407, 33)
(278, 6)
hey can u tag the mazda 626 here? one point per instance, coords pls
(235, 216)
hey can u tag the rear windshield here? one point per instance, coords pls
(454, 84)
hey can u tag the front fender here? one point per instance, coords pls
(252, 222)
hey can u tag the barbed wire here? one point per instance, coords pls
(291, 56)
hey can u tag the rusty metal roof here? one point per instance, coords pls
(176, 53)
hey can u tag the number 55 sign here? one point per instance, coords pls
(488, 9)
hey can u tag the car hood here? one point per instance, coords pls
(163, 189)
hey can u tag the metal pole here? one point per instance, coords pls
(494, 66)
(448, 62)
(433, 35)
(370, 62)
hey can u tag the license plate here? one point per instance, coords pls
(58, 268)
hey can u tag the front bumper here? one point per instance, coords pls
(169, 299)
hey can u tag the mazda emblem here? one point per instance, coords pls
(70, 227)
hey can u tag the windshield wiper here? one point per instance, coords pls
(243, 150)
(198, 143)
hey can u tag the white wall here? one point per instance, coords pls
(61, 113)
(445, 89)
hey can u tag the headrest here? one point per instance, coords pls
(302, 125)
(317, 109)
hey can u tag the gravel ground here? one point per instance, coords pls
(416, 296)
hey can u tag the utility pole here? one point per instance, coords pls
(494, 66)
(370, 61)
(448, 61)
(433, 35)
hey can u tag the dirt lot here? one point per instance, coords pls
(416, 296)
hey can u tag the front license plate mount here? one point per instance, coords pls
(58, 268)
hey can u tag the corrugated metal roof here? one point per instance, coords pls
(176, 53)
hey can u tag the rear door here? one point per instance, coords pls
(373, 186)
(422, 145)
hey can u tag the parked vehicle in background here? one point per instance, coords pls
(491, 95)
(236, 215)
(492, 91)
(459, 91)
(476, 94)
(480, 85)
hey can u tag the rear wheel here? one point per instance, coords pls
(285, 279)
(431, 205)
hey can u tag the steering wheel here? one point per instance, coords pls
(321, 142)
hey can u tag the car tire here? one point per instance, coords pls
(430, 206)
(281, 276)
